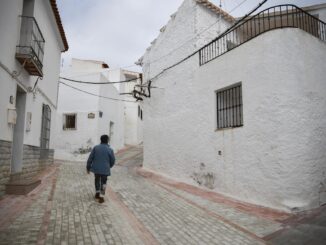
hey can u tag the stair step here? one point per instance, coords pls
(22, 187)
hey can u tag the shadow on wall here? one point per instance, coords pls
(203, 178)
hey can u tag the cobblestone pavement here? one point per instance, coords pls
(136, 211)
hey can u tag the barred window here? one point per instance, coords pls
(229, 107)
(69, 121)
(46, 126)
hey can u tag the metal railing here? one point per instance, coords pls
(276, 17)
(31, 43)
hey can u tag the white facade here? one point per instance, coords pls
(74, 144)
(115, 117)
(277, 158)
(17, 84)
(133, 124)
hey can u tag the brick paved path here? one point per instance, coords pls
(136, 211)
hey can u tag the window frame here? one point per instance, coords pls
(235, 110)
(65, 121)
(46, 127)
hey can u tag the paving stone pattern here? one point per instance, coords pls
(25, 228)
(257, 225)
(75, 218)
(169, 219)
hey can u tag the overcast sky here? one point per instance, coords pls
(119, 31)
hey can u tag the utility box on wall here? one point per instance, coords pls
(12, 116)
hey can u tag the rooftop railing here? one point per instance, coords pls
(281, 16)
(30, 50)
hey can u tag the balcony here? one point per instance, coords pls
(30, 50)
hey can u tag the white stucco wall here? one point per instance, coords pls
(70, 99)
(277, 158)
(132, 126)
(88, 132)
(113, 111)
(68, 142)
(131, 123)
(180, 36)
(47, 88)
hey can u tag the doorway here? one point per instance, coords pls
(111, 132)
(18, 133)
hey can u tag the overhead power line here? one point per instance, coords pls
(197, 35)
(222, 34)
(100, 96)
(238, 6)
(79, 81)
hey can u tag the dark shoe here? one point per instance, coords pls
(97, 196)
(101, 200)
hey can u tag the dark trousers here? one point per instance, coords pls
(100, 182)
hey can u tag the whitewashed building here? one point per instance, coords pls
(87, 111)
(244, 116)
(31, 41)
(133, 114)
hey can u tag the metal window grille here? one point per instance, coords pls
(229, 107)
(46, 126)
(70, 121)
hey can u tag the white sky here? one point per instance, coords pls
(119, 31)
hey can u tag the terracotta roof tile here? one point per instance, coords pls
(216, 9)
(59, 23)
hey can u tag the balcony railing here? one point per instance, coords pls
(281, 16)
(30, 50)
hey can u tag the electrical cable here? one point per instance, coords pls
(186, 42)
(197, 35)
(78, 81)
(238, 6)
(221, 35)
(100, 96)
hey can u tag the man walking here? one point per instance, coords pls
(100, 161)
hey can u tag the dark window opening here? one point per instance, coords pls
(229, 107)
(69, 121)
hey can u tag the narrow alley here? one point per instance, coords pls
(139, 209)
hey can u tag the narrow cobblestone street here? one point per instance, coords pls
(137, 210)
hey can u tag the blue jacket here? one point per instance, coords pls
(101, 160)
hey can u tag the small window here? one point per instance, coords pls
(141, 114)
(229, 107)
(69, 121)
